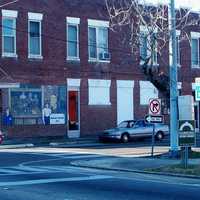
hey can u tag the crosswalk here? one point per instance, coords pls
(35, 167)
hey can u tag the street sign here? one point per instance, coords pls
(197, 88)
(187, 136)
(197, 92)
(154, 118)
(154, 106)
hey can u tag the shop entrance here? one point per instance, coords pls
(73, 113)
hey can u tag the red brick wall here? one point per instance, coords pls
(54, 69)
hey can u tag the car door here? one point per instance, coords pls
(138, 129)
(141, 129)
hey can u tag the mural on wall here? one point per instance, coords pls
(27, 104)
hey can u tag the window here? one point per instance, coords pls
(99, 92)
(145, 49)
(143, 46)
(147, 92)
(73, 38)
(195, 52)
(98, 40)
(35, 46)
(9, 33)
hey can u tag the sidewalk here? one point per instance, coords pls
(48, 141)
(135, 164)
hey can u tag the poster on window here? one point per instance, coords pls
(26, 103)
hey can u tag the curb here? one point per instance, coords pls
(134, 171)
(14, 146)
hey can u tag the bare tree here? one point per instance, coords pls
(149, 24)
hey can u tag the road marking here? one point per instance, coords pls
(53, 180)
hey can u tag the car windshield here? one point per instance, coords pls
(123, 125)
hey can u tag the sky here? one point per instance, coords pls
(193, 4)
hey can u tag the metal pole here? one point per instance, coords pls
(153, 140)
(173, 83)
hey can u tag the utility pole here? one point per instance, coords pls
(173, 82)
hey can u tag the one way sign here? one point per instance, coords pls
(154, 119)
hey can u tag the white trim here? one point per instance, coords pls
(98, 23)
(9, 13)
(99, 83)
(146, 84)
(179, 85)
(73, 82)
(195, 35)
(73, 20)
(125, 84)
(35, 16)
(178, 32)
(9, 85)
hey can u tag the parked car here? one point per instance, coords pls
(130, 129)
(1, 137)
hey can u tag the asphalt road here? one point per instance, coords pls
(45, 174)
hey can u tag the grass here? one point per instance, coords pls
(179, 169)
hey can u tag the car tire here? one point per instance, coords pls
(159, 136)
(125, 138)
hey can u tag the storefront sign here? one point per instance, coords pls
(57, 118)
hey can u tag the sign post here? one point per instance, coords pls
(153, 118)
(187, 137)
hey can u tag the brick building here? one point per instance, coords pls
(61, 55)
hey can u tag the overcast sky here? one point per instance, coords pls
(194, 4)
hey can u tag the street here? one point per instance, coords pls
(45, 173)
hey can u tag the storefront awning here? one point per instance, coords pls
(9, 85)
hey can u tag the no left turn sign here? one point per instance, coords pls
(154, 106)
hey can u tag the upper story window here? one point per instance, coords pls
(98, 40)
(9, 33)
(35, 40)
(148, 47)
(195, 49)
(73, 38)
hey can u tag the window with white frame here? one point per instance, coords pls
(145, 46)
(35, 40)
(147, 92)
(195, 49)
(98, 40)
(99, 92)
(73, 38)
(9, 33)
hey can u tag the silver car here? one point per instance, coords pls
(130, 129)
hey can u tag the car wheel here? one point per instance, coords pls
(159, 135)
(125, 138)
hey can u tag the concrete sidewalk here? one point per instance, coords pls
(134, 164)
(47, 141)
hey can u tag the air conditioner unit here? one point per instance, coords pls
(104, 56)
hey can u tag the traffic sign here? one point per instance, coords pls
(154, 119)
(187, 136)
(154, 106)
(197, 92)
